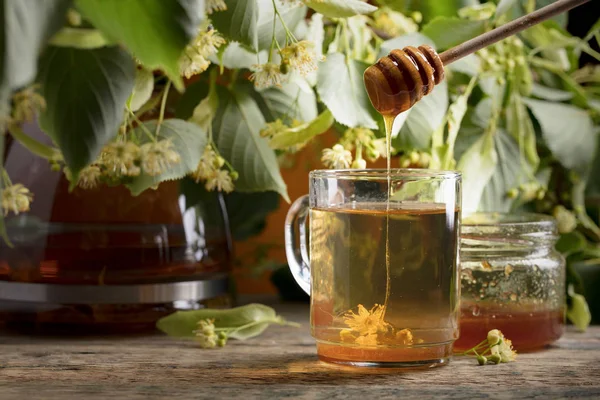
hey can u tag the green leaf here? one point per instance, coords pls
(469, 65)
(511, 170)
(155, 31)
(568, 132)
(250, 22)
(184, 323)
(548, 93)
(503, 7)
(236, 130)
(423, 119)
(340, 86)
(247, 212)
(190, 99)
(521, 128)
(303, 133)
(294, 100)
(571, 242)
(578, 311)
(85, 92)
(291, 13)
(239, 22)
(340, 8)
(189, 141)
(447, 32)
(26, 26)
(236, 56)
(142, 89)
(79, 38)
(477, 164)
(410, 39)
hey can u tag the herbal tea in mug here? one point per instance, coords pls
(381, 267)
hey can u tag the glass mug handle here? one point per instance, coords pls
(297, 258)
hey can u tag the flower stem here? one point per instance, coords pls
(163, 105)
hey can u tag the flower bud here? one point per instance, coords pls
(495, 358)
(481, 360)
(220, 161)
(494, 336)
(234, 175)
(512, 193)
(359, 164)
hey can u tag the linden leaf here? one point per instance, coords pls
(85, 92)
(340, 86)
(340, 8)
(155, 31)
(26, 25)
(240, 323)
(189, 141)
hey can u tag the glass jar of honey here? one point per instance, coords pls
(512, 279)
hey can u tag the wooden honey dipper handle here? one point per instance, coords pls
(508, 29)
(399, 80)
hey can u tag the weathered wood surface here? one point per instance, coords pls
(280, 363)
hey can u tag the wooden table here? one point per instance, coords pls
(280, 363)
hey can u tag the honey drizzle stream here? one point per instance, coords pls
(389, 122)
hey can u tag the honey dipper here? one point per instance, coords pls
(397, 81)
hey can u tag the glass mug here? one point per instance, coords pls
(382, 275)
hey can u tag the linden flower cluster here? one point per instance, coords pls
(415, 159)
(126, 159)
(26, 104)
(394, 23)
(209, 170)
(195, 56)
(495, 349)
(206, 336)
(365, 144)
(298, 56)
(16, 198)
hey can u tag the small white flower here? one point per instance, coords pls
(337, 157)
(266, 75)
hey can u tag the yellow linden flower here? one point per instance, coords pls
(367, 322)
(337, 157)
(266, 75)
(120, 158)
(220, 181)
(209, 163)
(367, 340)
(500, 346)
(211, 6)
(405, 336)
(89, 176)
(273, 128)
(301, 56)
(27, 104)
(347, 335)
(157, 157)
(194, 59)
(16, 198)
